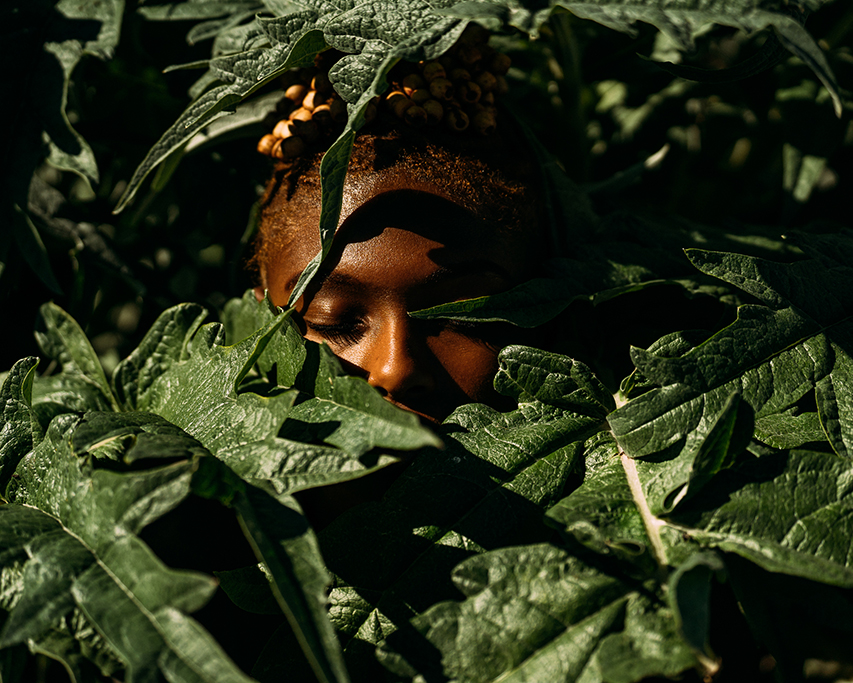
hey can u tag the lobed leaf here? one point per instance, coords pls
(341, 411)
(61, 339)
(165, 344)
(772, 355)
(200, 393)
(786, 512)
(20, 429)
(81, 552)
(535, 613)
(485, 490)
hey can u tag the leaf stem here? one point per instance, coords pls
(650, 522)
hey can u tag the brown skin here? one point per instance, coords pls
(408, 239)
(406, 245)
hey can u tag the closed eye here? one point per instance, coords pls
(340, 334)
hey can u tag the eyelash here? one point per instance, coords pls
(350, 332)
(346, 333)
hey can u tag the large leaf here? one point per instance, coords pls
(82, 384)
(680, 20)
(805, 533)
(82, 551)
(485, 490)
(81, 649)
(20, 429)
(538, 613)
(199, 394)
(772, 355)
(165, 344)
(288, 547)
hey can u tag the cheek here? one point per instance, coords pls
(470, 363)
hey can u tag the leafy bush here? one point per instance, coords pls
(692, 468)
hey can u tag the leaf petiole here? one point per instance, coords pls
(651, 523)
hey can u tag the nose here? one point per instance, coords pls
(400, 363)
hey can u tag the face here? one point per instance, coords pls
(406, 246)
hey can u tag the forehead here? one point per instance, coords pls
(397, 229)
(454, 198)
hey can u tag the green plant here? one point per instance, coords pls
(711, 469)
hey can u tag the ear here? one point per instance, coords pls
(259, 292)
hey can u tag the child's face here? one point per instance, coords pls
(406, 246)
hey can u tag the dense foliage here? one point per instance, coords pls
(671, 494)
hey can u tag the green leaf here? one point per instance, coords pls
(83, 552)
(283, 466)
(530, 375)
(61, 339)
(773, 355)
(538, 613)
(603, 516)
(200, 394)
(80, 648)
(727, 437)
(32, 248)
(690, 599)
(284, 541)
(211, 29)
(486, 489)
(834, 394)
(130, 437)
(20, 428)
(102, 499)
(786, 430)
(246, 121)
(250, 589)
(359, 419)
(165, 344)
(56, 558)
(65, 393)
(292, 357)
(242, 74)
(198, 9)
(803, 531)
(138, 605)
(786, 512)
